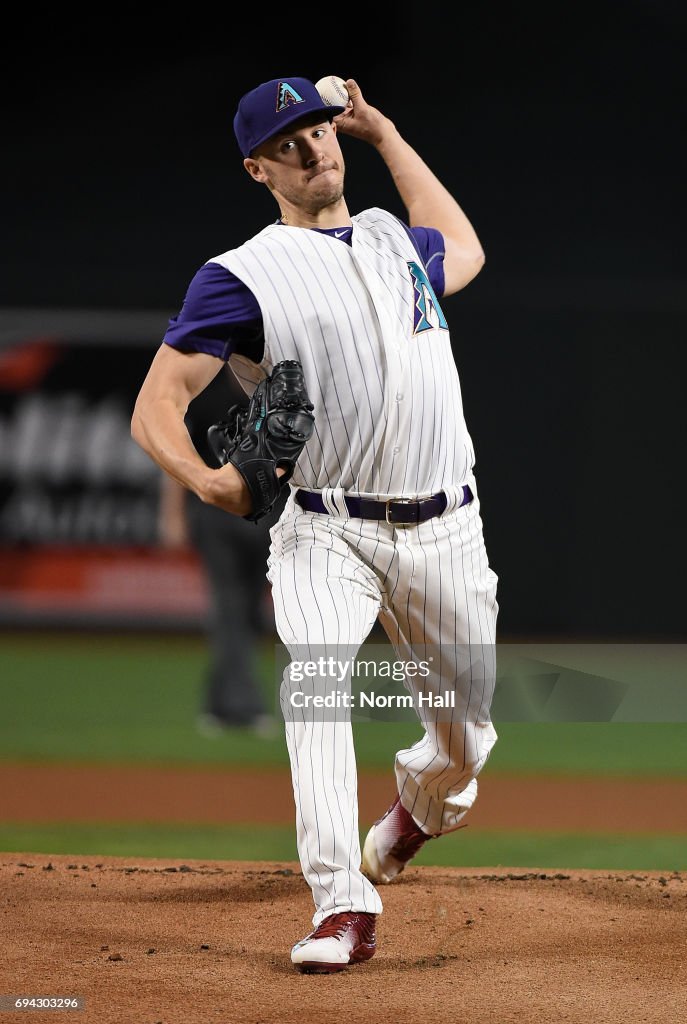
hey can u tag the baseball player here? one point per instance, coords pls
(334, 323)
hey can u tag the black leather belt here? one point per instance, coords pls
(395, 511)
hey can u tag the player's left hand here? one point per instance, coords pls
(264, 441)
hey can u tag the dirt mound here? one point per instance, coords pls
(154, 940)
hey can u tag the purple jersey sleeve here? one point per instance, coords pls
(220, 314)
(217, 313)
(430, 244)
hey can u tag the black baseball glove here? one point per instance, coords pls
(269, 434)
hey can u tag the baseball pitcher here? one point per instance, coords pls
(333, 323)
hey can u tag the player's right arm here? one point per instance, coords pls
(427, 200)
(174, 379)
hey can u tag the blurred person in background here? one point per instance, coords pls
(233, 554)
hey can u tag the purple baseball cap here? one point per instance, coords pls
(272, 106)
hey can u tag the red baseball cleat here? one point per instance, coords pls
(392, 841)
(340, 940)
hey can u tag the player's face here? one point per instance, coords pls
(303, 167)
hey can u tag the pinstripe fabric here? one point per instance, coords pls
(388, 405)
(432, 587)
(389, 422)
(444, 602)
(326, 601)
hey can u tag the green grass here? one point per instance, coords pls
(112, 699)
(260, 842)
(235, 842)
(136, 698)
(620, 749)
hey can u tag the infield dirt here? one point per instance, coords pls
(184, 943)
(160, 793)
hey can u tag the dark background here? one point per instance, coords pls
(559, 132)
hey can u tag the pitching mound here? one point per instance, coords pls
(153, 940)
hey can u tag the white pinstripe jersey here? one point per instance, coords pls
(365, 324)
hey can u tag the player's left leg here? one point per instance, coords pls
(443, 610)
(325, 601)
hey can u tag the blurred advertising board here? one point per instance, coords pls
(79, 500)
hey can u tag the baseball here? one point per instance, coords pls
(333, 91)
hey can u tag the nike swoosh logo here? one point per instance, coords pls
(340, 234)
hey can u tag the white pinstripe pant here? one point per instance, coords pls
(431, 587)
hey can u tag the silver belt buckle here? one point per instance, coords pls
(400, 501)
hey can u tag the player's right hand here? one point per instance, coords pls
(360, 119)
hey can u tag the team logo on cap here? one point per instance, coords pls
(287, 96)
